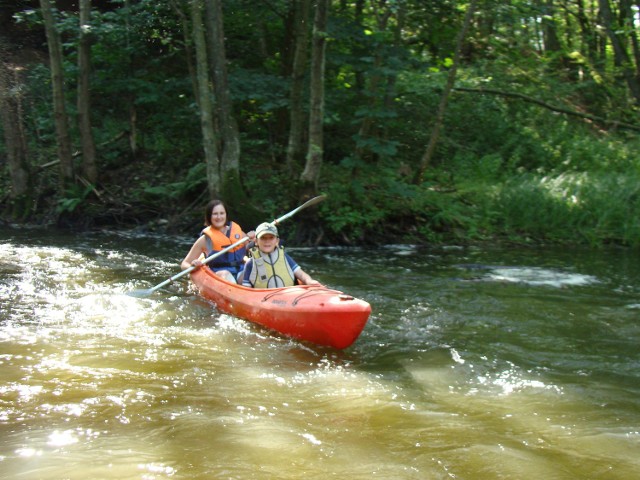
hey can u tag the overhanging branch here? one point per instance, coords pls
(553, 108)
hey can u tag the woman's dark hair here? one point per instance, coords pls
(209, 210)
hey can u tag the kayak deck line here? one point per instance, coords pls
(309, 291)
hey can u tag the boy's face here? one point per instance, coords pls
(268, 243)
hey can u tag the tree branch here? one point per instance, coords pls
(566, 111)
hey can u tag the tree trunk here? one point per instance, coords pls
(588, 34)
(133, 112)
(60, 112)
(186, 33)
(621, 56)
(295, 147)
(279, 124)
(630, 22)
(374, 94)
(358, 16)
(392, 79)
(551, 41)
(206, 111)
(311, 173)
(435, 133)
(14, 137)
(228, 127)
(89, 167)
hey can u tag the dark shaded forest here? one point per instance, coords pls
(422, 121)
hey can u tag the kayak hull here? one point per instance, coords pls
(312, 313)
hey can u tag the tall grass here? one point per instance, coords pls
(596, 208)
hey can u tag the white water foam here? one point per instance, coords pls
(540, 276)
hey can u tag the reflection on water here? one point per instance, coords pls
(476, 363)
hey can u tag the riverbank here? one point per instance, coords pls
(564, 209)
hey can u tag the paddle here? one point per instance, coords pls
(145, 293)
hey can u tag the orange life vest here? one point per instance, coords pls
(217, 241)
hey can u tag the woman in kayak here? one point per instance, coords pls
(219, 234)
(269, 266)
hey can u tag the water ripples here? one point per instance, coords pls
(467, 368)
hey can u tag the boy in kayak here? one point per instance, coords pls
(218, 234)
(269, 266)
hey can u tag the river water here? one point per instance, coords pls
(497, 363)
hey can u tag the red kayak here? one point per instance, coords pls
(313, 313)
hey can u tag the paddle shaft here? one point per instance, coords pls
(186, 271)
(193, 267)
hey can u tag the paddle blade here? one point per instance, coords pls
(141, 293)
(149, 291)
(313, 201)
(306, 204)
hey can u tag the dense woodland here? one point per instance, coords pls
(421, 120)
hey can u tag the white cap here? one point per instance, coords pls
(266, 228)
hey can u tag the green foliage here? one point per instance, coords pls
(195, 179)
(502, 166)
(363, 199)
(262, 92)
(74, 196)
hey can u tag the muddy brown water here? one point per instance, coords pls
(476, 363)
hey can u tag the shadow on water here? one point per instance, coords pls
(476, 363)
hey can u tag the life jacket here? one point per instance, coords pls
(270, 270)
(217, 241)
